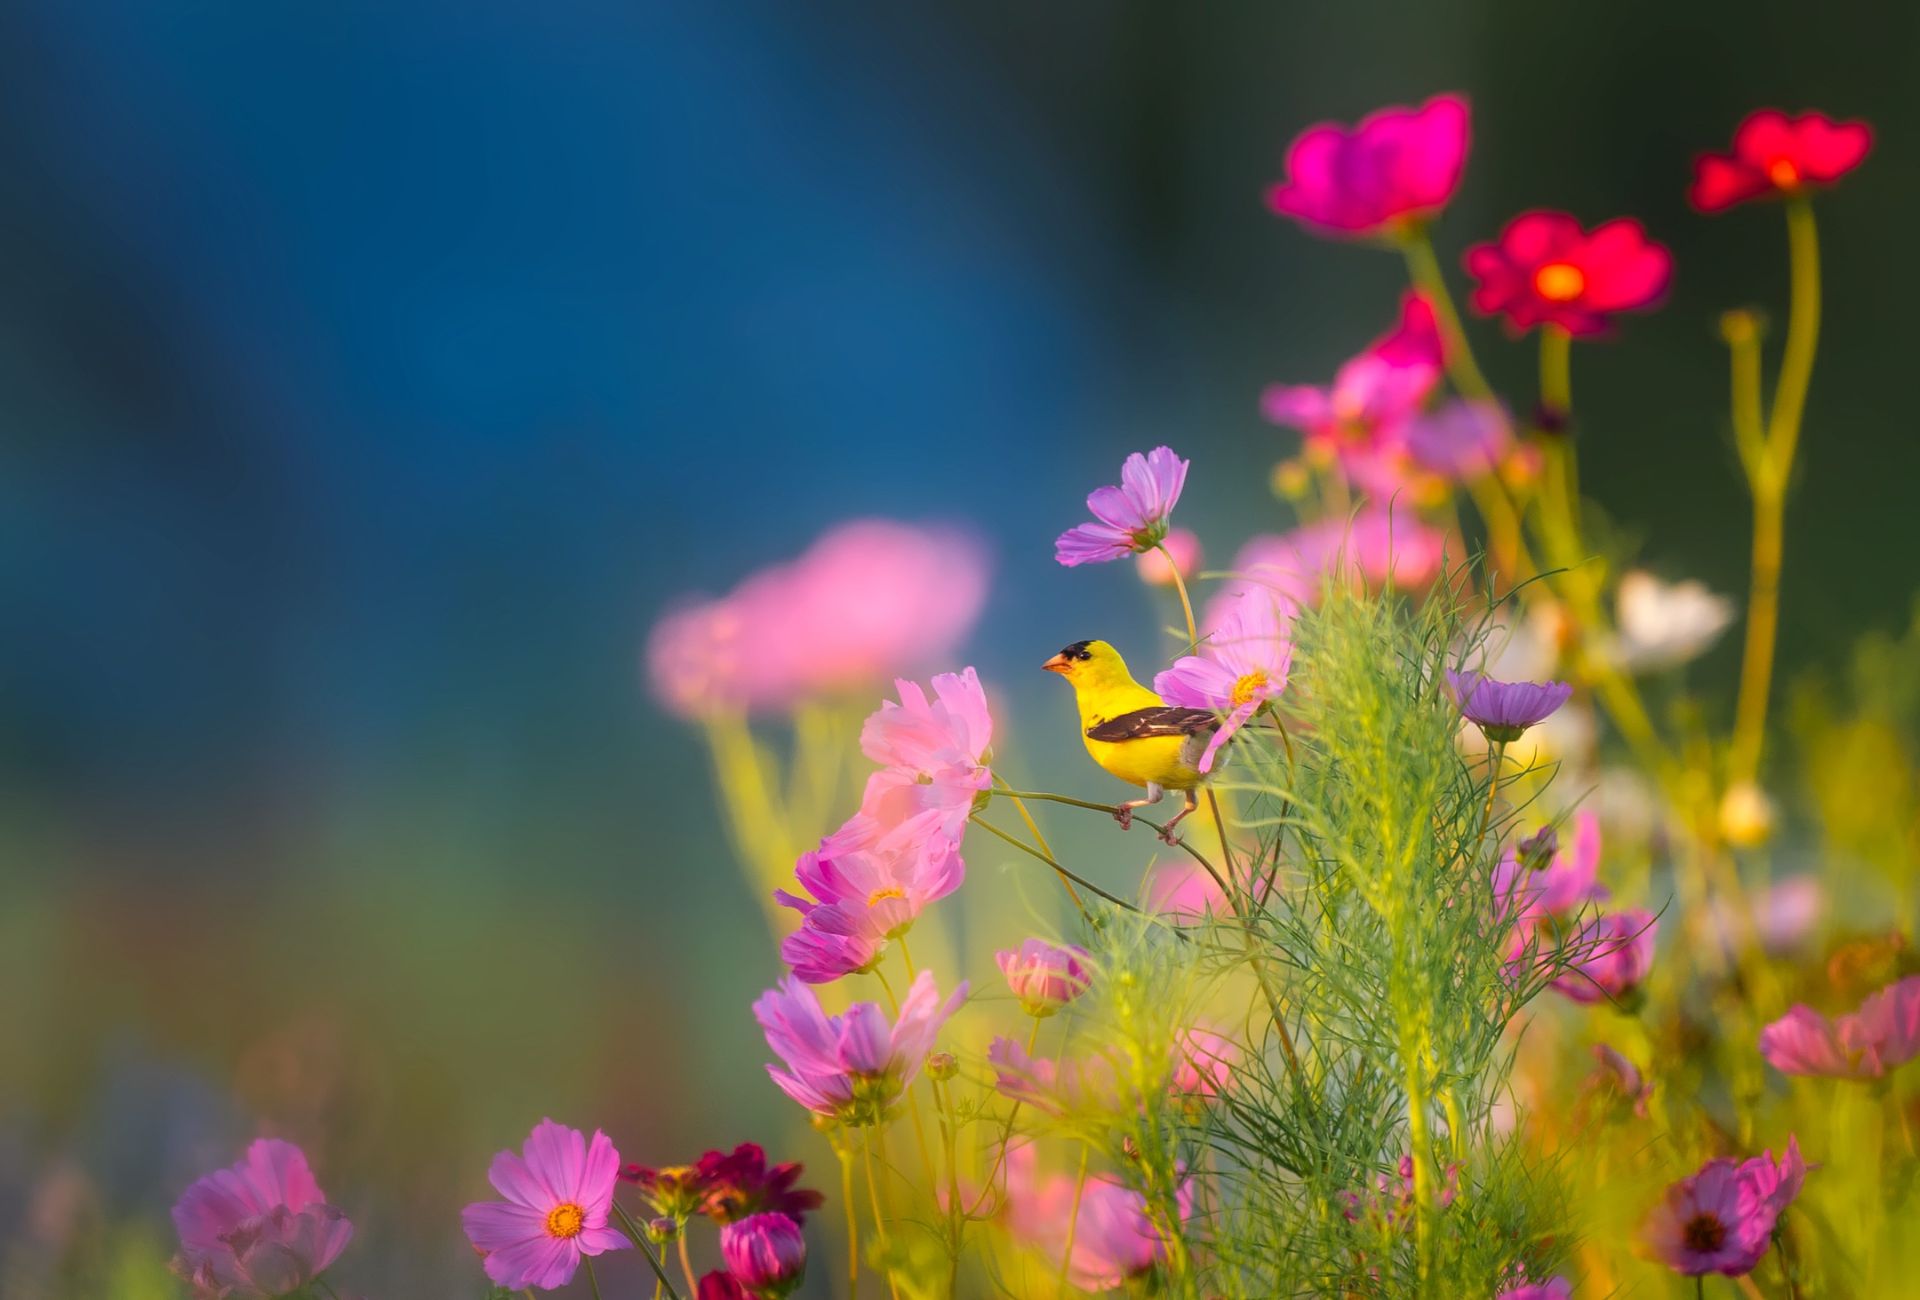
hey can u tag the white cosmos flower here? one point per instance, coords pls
(1666, 624)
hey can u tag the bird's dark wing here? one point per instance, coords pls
(1159, 720)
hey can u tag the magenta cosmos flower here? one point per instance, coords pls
(860, 899)
(1132, 517)
(1610, 955)
(260, 1228)
(1045, 976)
(1777, 156)
(1397, 167)
(559, 1193)
(1882, 1034)
(1504, 710)
(1113, 1237)
(1721, 1219)
(765, 1253)
(1568, 880)
(1242, 666)
(853, 1066)
(1554, 1288)
(869, 600)
(1545, 270)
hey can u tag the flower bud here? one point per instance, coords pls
(1291, 481)
(662, 1229)
(765, 1252)
(1535, 851)
(1746, 815)
(942, 1066)
(1044, 976)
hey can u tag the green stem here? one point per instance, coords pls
(1423, 267)
(1073, 1222)
(1051, 861)
(873, 1201)
(1186, 604)
(1033, 828)
(686, 1263)
(638, 1236)
(593, 1282)
(853, 1219)
(1178, 841)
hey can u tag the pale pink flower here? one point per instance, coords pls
(1242, 666)
(1380, 548)
(1045, 976)
(1157, 570)
(260, 1228)
(1069, 1085)
(933, 755)
(1130, 518)
(1882, 1034)
(559, 1194)
(1114, 1239)
(1396, 168)
(1782, 915)
(1203, 1063)
(853, 1066)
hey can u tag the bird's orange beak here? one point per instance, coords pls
(1058, 664)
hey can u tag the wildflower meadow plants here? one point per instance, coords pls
(1462, 979)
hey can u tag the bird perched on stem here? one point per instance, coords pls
(1132, 732)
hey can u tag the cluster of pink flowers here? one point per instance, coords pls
(854, 1066)
(869, 600)
(1882, 1034)
(260, 1228)
(1542, 890)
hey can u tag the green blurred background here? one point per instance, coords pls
(372, 375)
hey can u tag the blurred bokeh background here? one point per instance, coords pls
(372, 375)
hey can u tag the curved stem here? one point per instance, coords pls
(1803, 334)
(686, 1263)
(593, 1283)
(1178, 842)
(1051, 861)
(1186, 604)
(1423, 267)
(1033, 828)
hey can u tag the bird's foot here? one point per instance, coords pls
(1167, 836)
(1124, 815)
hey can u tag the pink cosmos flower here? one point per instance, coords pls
(1569, 880)
(1882, 1034)
(1620, 1077)
(1242, 665)
(1055, 1087)
(765, 1253)
(1611, 955)
(1554, 1288)
(1399, 166)
(933, 756)
(1775, 155)
(260, 1228)
(1504, 710)
(1545, 270)
(1114, 1240)
(559, 1192)
(853, 1066)
(1045, 976)
(1156, 570)
(1203, 1063)
(1721, 1219)
(861, 898)
(1380, 547)
(1131, 517)
(1782, 915)
(869, 600)
(1459, 441)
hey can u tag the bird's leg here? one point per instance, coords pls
(1123, 813)
(1166, 832)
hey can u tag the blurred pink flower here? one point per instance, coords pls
(1569, 880)
(259, 1228)
(1203, 1063)
(1554, 1288)
(559, 1193)
(1054, 1087)
(1242, 665)
(853, 1066)
(870, 599)
(1392, 1199)
(1610, 954)
(1459, 440)
(1397, 167)
(1783, 914)
(1621, 1077)
(1045, 976)
(1155, 568)
(1504, 710)
(1131, 517)
(933, 756)
(765, 1253)
(1544, 269)
(1380, 547)
(1882, 1034)
(1185, 892)
(1721, 1219)
(1114, 1240)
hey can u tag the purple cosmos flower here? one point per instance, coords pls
(1460, 440)
(1396, 167)
(1243, 665)
(852, 1066)
(1611, 955)
(1133, 516)
(1882, 1034)
(1554, 1288)
(765, 1253)
(861, 899)
(559, 1193)
(1504, 710)
(1045, 976)
(1721, 1219)
(260, 1228)
(1562, 885)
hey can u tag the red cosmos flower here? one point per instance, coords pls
(1396, 166)
(1776, 155)
(1545, 270)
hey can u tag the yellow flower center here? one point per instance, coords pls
(1559, 282)
(1248, 687)
(565, 1220)
(890, 891)
(1783, 173)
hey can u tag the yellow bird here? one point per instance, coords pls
(1132, 732)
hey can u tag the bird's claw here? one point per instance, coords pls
(1168, 837)
(1124, 815)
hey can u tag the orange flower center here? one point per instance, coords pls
(565, 1220)
(890, 891)
(1248, 687)
(1559, 282)
(1783, 173)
